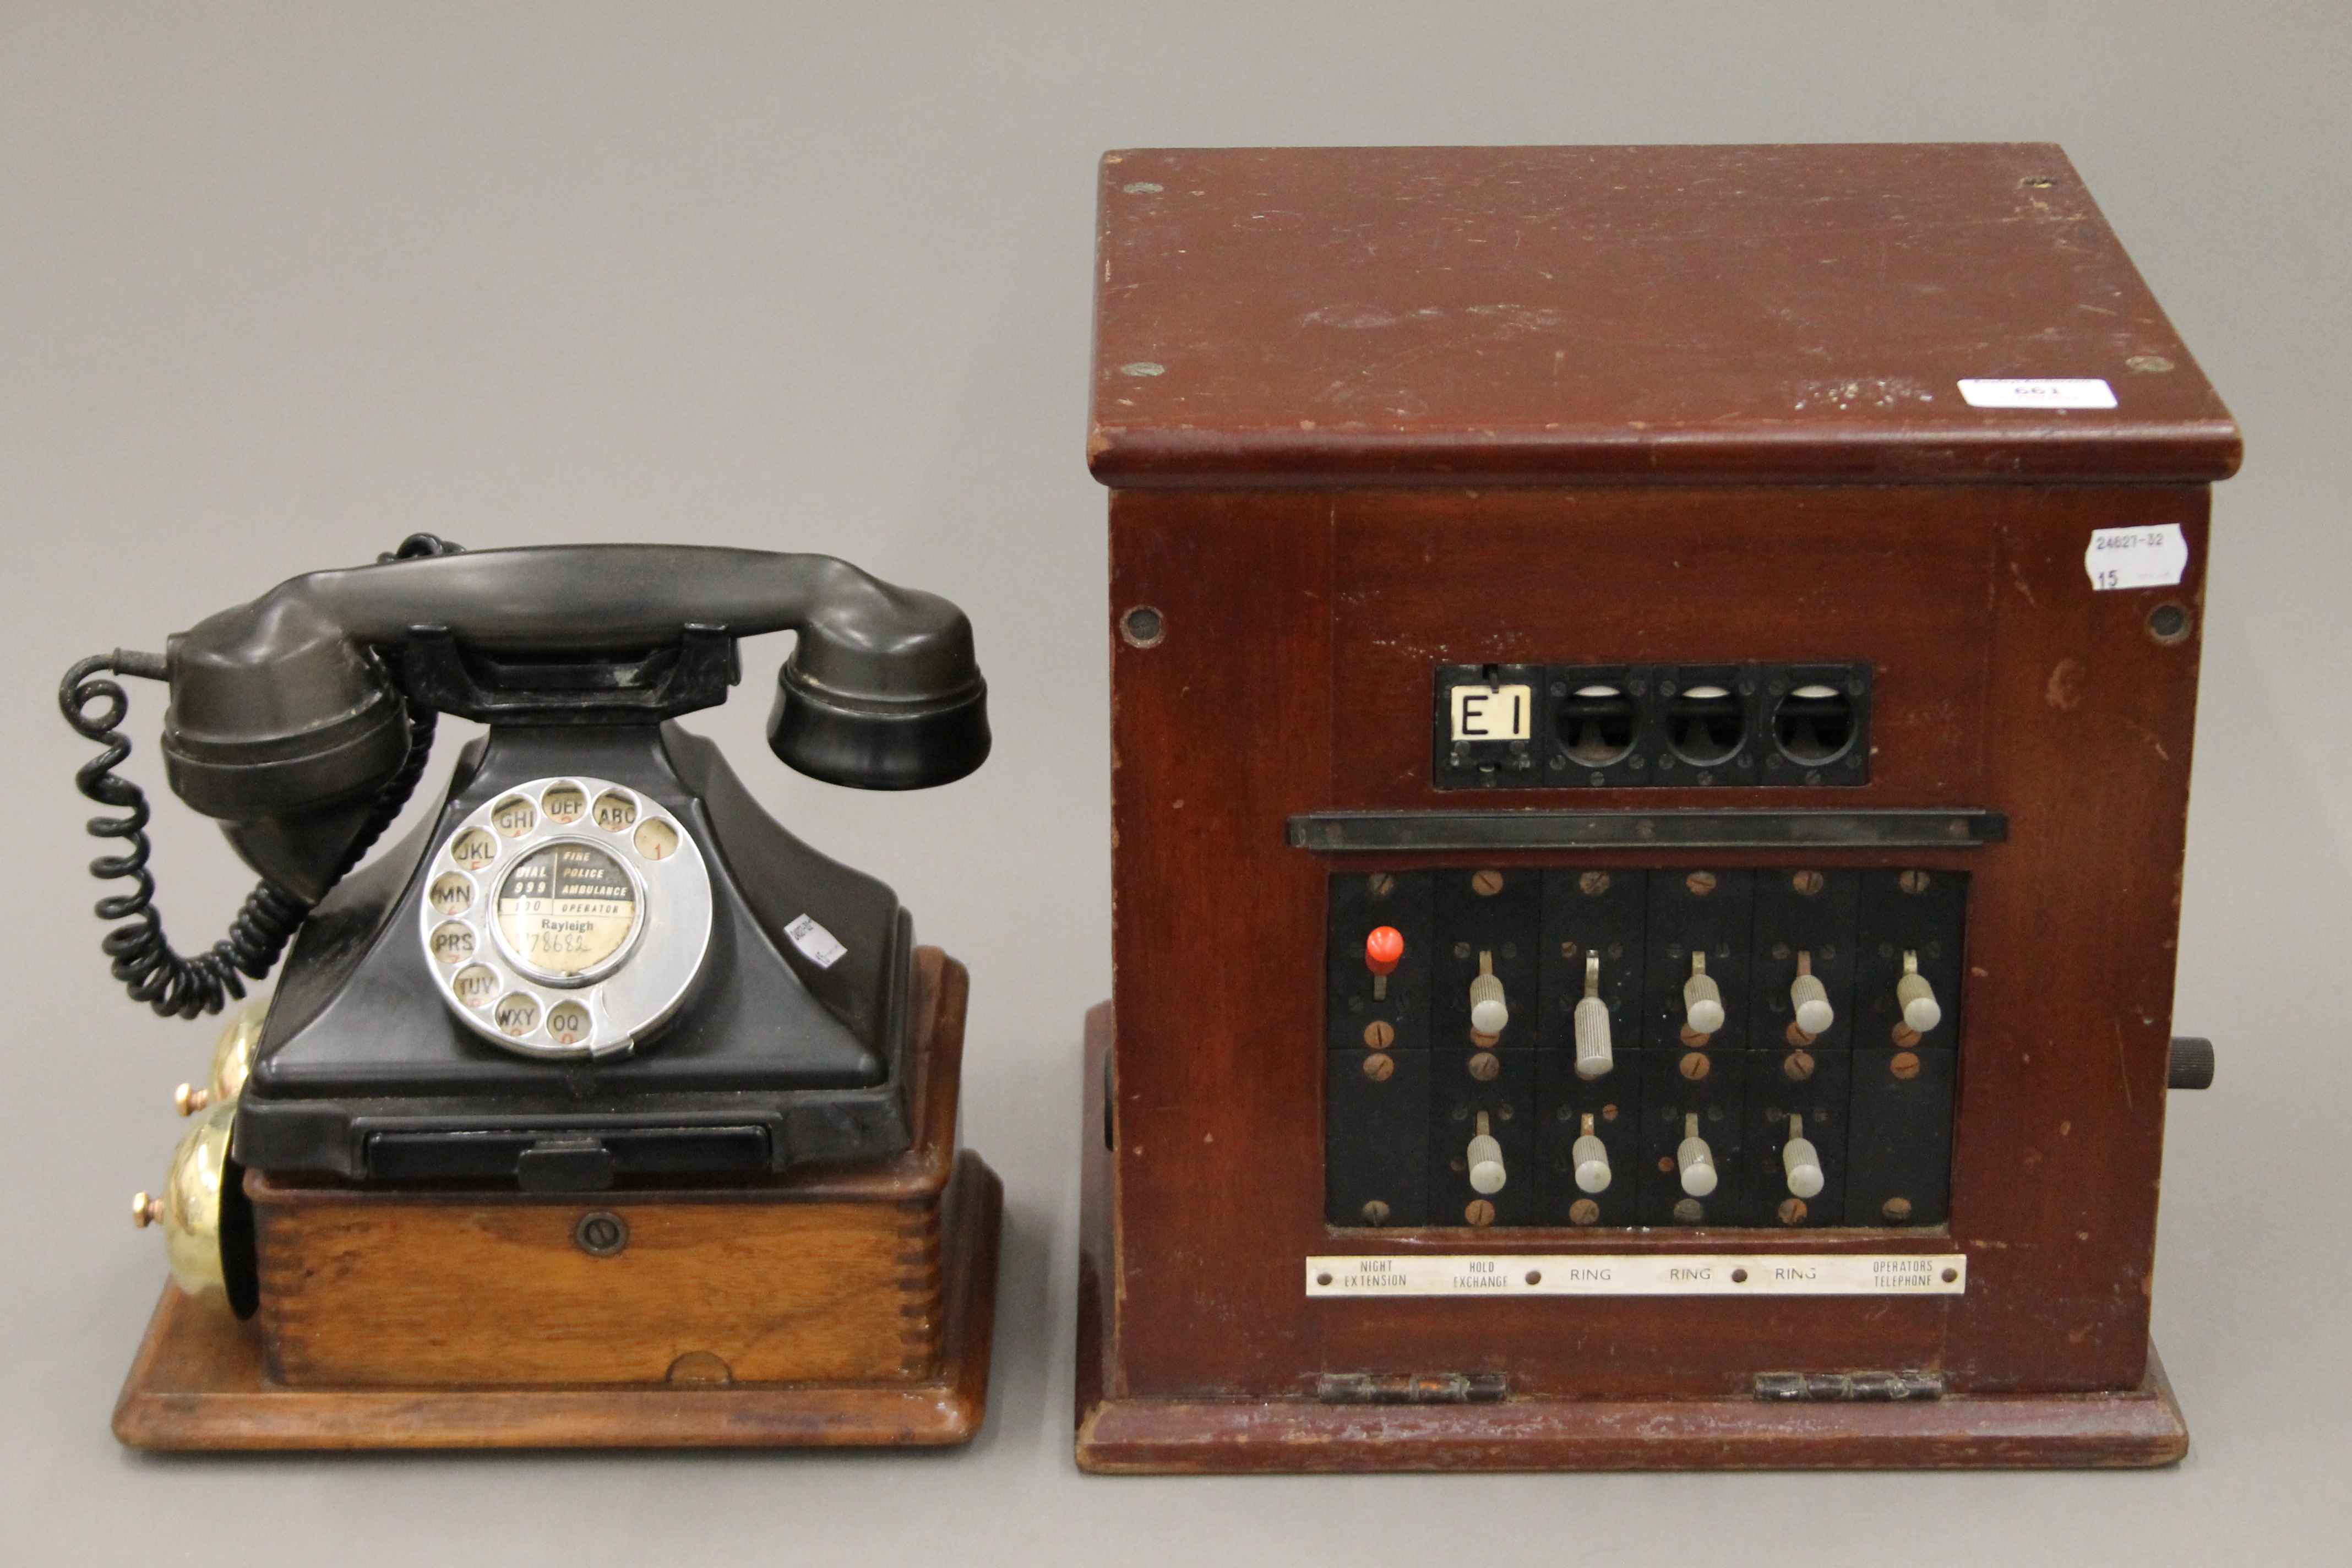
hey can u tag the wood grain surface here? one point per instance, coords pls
(847, 1304)
(199, 1383)
(1482, 315)
(1307, 589)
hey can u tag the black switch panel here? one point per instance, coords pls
(1806, 914)
(1406, 1077)
(1706, 912)
(1376, 1137)
(1492, 917)
(1488, 726)
(1899, 1152)
(1585, 913)
(1562, 1101)
(1812, 1086)
(1500, 1085)
(1913, 912)
(1676, 1085)
(1359, 905)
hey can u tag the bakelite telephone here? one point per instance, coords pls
(599, 968)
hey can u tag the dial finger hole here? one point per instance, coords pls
(451, 894)
(475, 986)
(517, 1014)
(567, 1023)
(473, 849)
(564, 803)
(514, 816)
(616, 811)
(657, 840)
(453, 943)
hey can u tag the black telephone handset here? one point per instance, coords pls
(600, 958)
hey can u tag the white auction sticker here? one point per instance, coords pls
(818, 945)
(2136, 557)
(2091, 393)
(1651, 1274)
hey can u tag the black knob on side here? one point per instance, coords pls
(2193, 1063)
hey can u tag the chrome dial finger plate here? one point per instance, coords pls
(566, 918)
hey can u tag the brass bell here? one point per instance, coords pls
(189, 1207)
(232, 1061)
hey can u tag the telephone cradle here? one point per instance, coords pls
(601, 1110)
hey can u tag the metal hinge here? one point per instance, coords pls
(1411, 1387)
(1854, 1387)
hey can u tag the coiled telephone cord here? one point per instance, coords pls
(141, 957)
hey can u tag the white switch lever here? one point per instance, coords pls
(1921, 1012)
(1801, 1161)
(1695, 1160)
(1593, 1057)
(1814, 1015)
(1590, 1157)
(1702, 999)
(1488, 1014)
(1487, 1173)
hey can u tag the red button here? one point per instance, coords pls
(1382, 949)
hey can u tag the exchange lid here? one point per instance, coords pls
(1349, 316)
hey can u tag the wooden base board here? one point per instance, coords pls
(199, 1383)
(2140, 1428)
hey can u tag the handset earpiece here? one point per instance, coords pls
(882, 691)
(286, 732)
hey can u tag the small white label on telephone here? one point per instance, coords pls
(817, 944)
(2135, 557)
(1492, 712)
(2089, 393)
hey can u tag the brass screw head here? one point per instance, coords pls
(1797, 1067)
(1592, 884)
(1583, 1211)
(1381, 884)
(187, 1099)
(1897, 1209)
(1666, 1165)
(1793, 1211)
(1690, 1211)
(1485, 884)
(1379, 1034)
(1695, 1065)
(1806, 883)
(1480, 1211)
(1913, 881)
(1377, 1066)
(1376, 1213)
(1700, 883)
(1484, 1066)
(1903, 1065)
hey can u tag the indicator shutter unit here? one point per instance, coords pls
(1574, 575)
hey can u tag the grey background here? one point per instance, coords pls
(280, 284)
